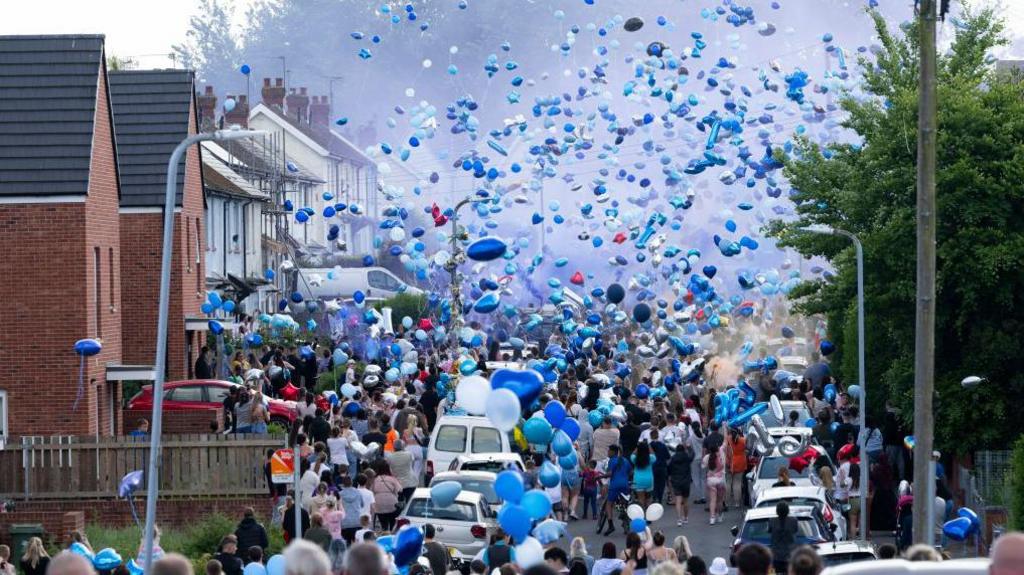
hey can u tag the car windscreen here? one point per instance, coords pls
(451, 438)
(831, 559)
(492, 466)
(803, 414)
(758, 530)
(483, 487)
(425, 508)
(792, 501)
(770, 469)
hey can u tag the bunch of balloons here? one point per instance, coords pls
(965, 525)
(517, 514)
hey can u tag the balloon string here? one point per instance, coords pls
(81, 382)
(135, 515)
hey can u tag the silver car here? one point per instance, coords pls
(806, 495)
(843, 552)
(463, 527)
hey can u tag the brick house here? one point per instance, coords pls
(59, 225)
(153, 111)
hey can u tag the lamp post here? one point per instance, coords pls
(862, 440)
(455, 261)
(153, 472)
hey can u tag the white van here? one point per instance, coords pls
(456, 435)
(341, 283)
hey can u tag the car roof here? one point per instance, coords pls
(792, 491)
(790, 431)
(465, 474)
(465, 420)
(490, 457)
(902, 566)
(792, 403)
(837, 547)
(769, 512)
(464, 496)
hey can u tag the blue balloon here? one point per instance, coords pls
(537, 431)
(536, 504)
(616, 293)
(387, 543)
(746, 416)
(276, 565)
(88, 347)
(826, 347)
(970, 514)
(408, 545)
(830, 393)
(80, 549)
(569, 461)
(550, 475)
(957, 529)
(595, 418)
(642, 391)
(527, 384)
(444, 493)
(638, 525)
(509, 486)
(515, 521)
(561, 444)
(215, 327)
(206, 307)
(486, 249)
(571, 427)
(106, 560)
(641, 312)
(130, 483)
(487, 303)
(358, 296)
(254, 568)
(554, 412)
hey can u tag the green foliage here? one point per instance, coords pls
(1016, 481)
(404, 304)
(275, 428)
(870, 190)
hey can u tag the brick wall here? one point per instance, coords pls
(54, 515)
(142, 242)
(178, 422)
(50, 300)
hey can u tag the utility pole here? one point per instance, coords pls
(924, 333)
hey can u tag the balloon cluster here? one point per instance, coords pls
(965, 525)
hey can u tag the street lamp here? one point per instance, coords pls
(830, 231)
(153, 473)
(456, 259)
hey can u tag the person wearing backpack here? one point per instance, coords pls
(580, 562)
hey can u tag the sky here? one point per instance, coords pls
(149, 45)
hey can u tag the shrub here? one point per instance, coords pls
(1016, 485)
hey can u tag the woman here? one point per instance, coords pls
(578, 550)
(681, 547)
(318, 503)
(306, 407)
(35, 560)
(696, 440)
(643, 473)
(680, 476)
(661, 458)
(609, 562)
(413, 437)
(337, 445)
(386, 490)
(737, 457)
(243, 412)
(844, 488)
(635, 555)
(658, 553)
(715, 469)
(571, 489)
(854, 500)
(259, 417)
(782, 478)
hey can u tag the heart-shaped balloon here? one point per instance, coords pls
(526, 384)
(408, 545)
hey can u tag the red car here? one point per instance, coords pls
(205, 394)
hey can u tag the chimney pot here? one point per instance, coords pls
(206, 104)
(240, 114)
(266, 82)
(209, 90)
(319, 113)
(302, 91)
(278, 82)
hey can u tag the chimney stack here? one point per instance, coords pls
(273, 96)
(298, 106)
(320, 113)
(240, 114)
(207, 104)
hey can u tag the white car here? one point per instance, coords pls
(766, 473)
(456, 435)
(492, 462)
(904, 567)
(481, 482)
(806, 495)
(463, 527)
(788, 407)
(793, 363)
(843, 552)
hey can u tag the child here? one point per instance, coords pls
(364, 523)
(591, 478)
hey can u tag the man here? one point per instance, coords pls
(753, 559)
(305, 558)
(429, 402)
(783, 529)
(817, 371)
(170, 564)
(203, 370)
(629, 436)
(805, 561)
(374, 435)
(1007, 555)
(228, 556)
(604, 438)
(68, 563)
(435, 553)
(250, 533)
(320, 429)
(230, 400)
(557, 559)
(499, 552)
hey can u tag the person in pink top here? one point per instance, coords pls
(334, 517)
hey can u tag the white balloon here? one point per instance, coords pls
(655, 511)
(471, 394)
(634, 511)
(776, 408)
(529, 553)
(503, 409)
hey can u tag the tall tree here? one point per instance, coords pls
(210, 47)
(868, 188)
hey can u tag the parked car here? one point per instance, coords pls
(206, 394)
(806, 495)
(904, 567)
(463, 527)
(481, 482)
(456, 435)
(843, 552)
(766, 471)
(493, 462)
(803, 414)
(812, 529)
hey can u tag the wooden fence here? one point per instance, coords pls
(90, 467)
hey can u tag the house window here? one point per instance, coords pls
(110, 278)
(97, 295)
(3, 415)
